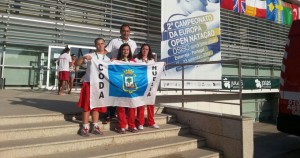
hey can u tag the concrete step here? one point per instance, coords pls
(56, 128)
(37, 118)
(157, 109)
(138, 149)
(72, 142)
(40, 118)
(38, 130)
(194, 153)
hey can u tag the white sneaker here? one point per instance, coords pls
(140, 127)
(84, 132)
(155, 126)
(96, 130)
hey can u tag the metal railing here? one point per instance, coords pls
(238, 64)
(38, 70)
(183, 89)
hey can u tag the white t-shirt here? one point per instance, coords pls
(142, 61)
(99, 57)
(64, 61)
(114, 45)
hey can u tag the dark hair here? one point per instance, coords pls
(98, 39)
(120, 53)
(73, 55)
(124, 25)
(150, 55)
(67, 49)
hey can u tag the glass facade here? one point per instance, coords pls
(29, 28)
(251, 39)
(22, 64)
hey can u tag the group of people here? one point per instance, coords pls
(122, 49)
(66, 74)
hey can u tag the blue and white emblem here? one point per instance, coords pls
(128, 81)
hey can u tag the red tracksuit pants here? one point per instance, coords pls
(150, 116)
(121, 112)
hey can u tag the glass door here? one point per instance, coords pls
(52, 71)
(54, 53)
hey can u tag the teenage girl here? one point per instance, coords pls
(84, 100)
(145, 56)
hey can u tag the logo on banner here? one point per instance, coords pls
(129, 84)
(231, 83)
(127, 81)
(257, 83)
(226, 83)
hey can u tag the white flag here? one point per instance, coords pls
(124, 84)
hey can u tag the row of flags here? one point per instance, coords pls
(275, 10)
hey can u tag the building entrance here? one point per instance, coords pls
(53, 55)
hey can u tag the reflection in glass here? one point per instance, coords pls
(23, 65)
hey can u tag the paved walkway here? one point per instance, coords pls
(28, 102)
(271, 143)
(268, 142)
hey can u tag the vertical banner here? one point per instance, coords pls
(191, 33)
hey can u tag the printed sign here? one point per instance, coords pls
(191, 33)
(250, 83)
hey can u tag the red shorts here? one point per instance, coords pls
(63, 75)
(84, 100)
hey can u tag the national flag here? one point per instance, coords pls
(243, 6)
(236, 6)
(295, 12)
(239, 6)
(261, 8)
(270, 10)
(123, 84)
(279, 18)
(256, 8)
(227, 4)
(287, 12)
(250, 8)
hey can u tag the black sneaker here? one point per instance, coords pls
(133, 130)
